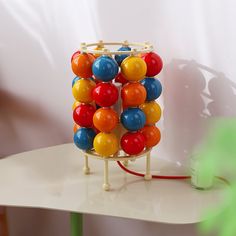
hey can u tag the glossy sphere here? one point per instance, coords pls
(133, 94)
(82, 65)
(120, 58)
(106, 144)
(133, 119)
(121, 79)
(75, 127)
(154, 63)
(152, 135)
(133, 68)
(153, 88)
(82, 90)
(83, 138)
(152, 112)
(105, 119)
(105, 68)
(83, 115)
(133, 143)
(105, 94)
(76, 54)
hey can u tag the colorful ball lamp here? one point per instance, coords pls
(115, 109)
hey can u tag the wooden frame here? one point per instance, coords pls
(117, 157)
(139, 48)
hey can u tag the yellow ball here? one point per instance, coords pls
(82, 90)
(106, 144)
(152, 112)
(133, 68)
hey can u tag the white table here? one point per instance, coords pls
(53, 178)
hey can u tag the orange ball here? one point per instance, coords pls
(75, 128)
(82, 65)
(105, 119)
(152, 135)
(133, 94)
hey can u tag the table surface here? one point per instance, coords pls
(53, 178)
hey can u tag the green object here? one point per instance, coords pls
(218, 153)
(76, 224)
(201, 179)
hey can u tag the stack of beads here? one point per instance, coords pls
(96, 94)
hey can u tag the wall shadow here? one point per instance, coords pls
(18, 115)
(192, 94)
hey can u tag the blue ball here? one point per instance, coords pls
(153, 88)
(78, 78)
(74, 80)
(133, 119)
(120, 58)
(83, 138)
(105, 68)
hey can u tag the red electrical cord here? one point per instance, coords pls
(153, 176)
(166, 176)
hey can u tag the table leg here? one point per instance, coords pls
(106, 185)
(148, 175)
(76, 224)
(3, 222)
(86, 168)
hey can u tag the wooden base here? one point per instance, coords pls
(125, 159)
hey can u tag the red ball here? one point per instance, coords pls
(121, 79)
(76, 54)
(105, 94)
(133, 143)
(83, 115)
(154, 63)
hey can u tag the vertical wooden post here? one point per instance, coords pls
(86, 168)
(76, 224)
(148, 175)
(106, 185)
